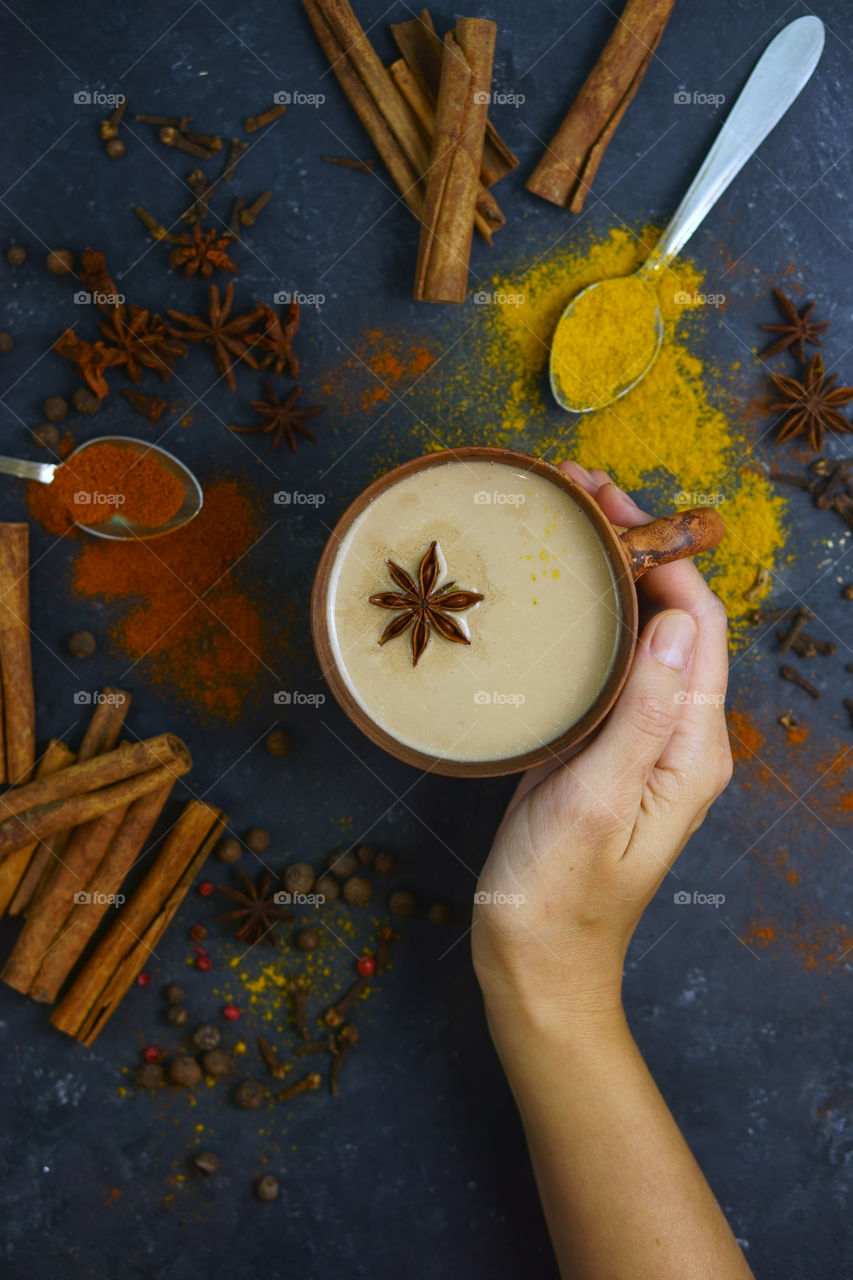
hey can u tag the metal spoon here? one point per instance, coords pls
(779, 75)
(117, 527)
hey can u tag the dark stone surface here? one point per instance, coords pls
(420, 1168)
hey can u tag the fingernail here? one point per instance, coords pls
(673, 639)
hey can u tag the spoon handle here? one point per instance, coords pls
(781, 72)
(42, 471)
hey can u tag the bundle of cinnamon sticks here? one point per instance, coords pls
(427, 117)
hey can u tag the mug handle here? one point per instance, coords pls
(684, 533)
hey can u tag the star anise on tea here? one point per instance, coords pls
(202, 253)
(423, 606)
(812, 405)
(91, 358)
(228, 335)
(258, 912)
(282, 419)
(277, 339)
(798, 328)
(144, 341)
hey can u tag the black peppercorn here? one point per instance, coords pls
(206, 1036)
(365, 854)
(174, 993)
(60, 262)
(55, 408)
(327, 888)
(299, 878)
(258, 840)
(385, 863)
(439, 913)
(184, 1070)
(16, 254)
(229, 850)
(46, 435)
(177, 1015)
(401, 902)
(307, 939)
(249, 1094)
(81, 644)
(266, 1187)
(216, 1062)
(149, 1074)
(343, 864)
(205, 1163)
(85, 401)
(6, 342)
(357, 891)
(277, 743)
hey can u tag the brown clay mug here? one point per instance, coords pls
(630, 553)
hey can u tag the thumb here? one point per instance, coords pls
(642, 722)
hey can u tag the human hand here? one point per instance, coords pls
(587, 843)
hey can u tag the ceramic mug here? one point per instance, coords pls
(630, 553)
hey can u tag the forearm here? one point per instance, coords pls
(622, 1193)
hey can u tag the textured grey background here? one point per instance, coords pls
(420, 1169)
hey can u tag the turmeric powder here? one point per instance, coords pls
(604, 341)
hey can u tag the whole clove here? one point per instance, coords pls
(347, 1039)
(324, 1045)
(848, 703)
(154, 228)
(334, 1016)
(254, 123)
(299, 990)
(788, 720)
(793, 675)
(350, 162)
(837, 479)
(806, 646)
(276, 1068)
(762, 578)
(234, 221)
(250, 213)
(171, 137)
(108, 128)
(308, 1084)
(236, 151)
(803, 615)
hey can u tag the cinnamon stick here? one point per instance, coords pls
(14, 868)
(487, 214)
(64, 800)
(566, 171)
(421, 49)
(452, 181)
(120, 954)
(91, 903)
(16, 673)
(102, 734)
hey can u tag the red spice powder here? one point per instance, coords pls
(392, 360)
(103, 481)
(193, 623)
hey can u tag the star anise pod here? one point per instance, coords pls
(423, 605)
(812, 405)
(258, 911)
(277, 339)
(144, 340)
(797, 330)
(202, 252)
(283, 419)
(229, 338)
(91, 358)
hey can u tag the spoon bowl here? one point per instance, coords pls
(117, 528)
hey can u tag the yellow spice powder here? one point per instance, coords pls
(604, 341)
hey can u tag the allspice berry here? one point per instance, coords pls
(85, 401)
(277, 743)
(174, 993)
(55, 409)
(299, 878)
(266, 1187)
(439, 913)
(357, 891)
(258, 840)
(249, 1094)
(229, 850)
(307, 939)
(16, 254)
(401, 902)
(384, 863)
(6, 342)
(81, 644)
(205, 1163)
(177, 1015)
(343, 864)
(115, 148)
(47, 435)
(328, 888)
(149, 1074)
(365, 854)
(216, 1062)
(206, 1036)
(60, 261)
(184, 1070)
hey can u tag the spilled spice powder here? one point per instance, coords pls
(188, 616)
(391, 358)
(103, 481)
